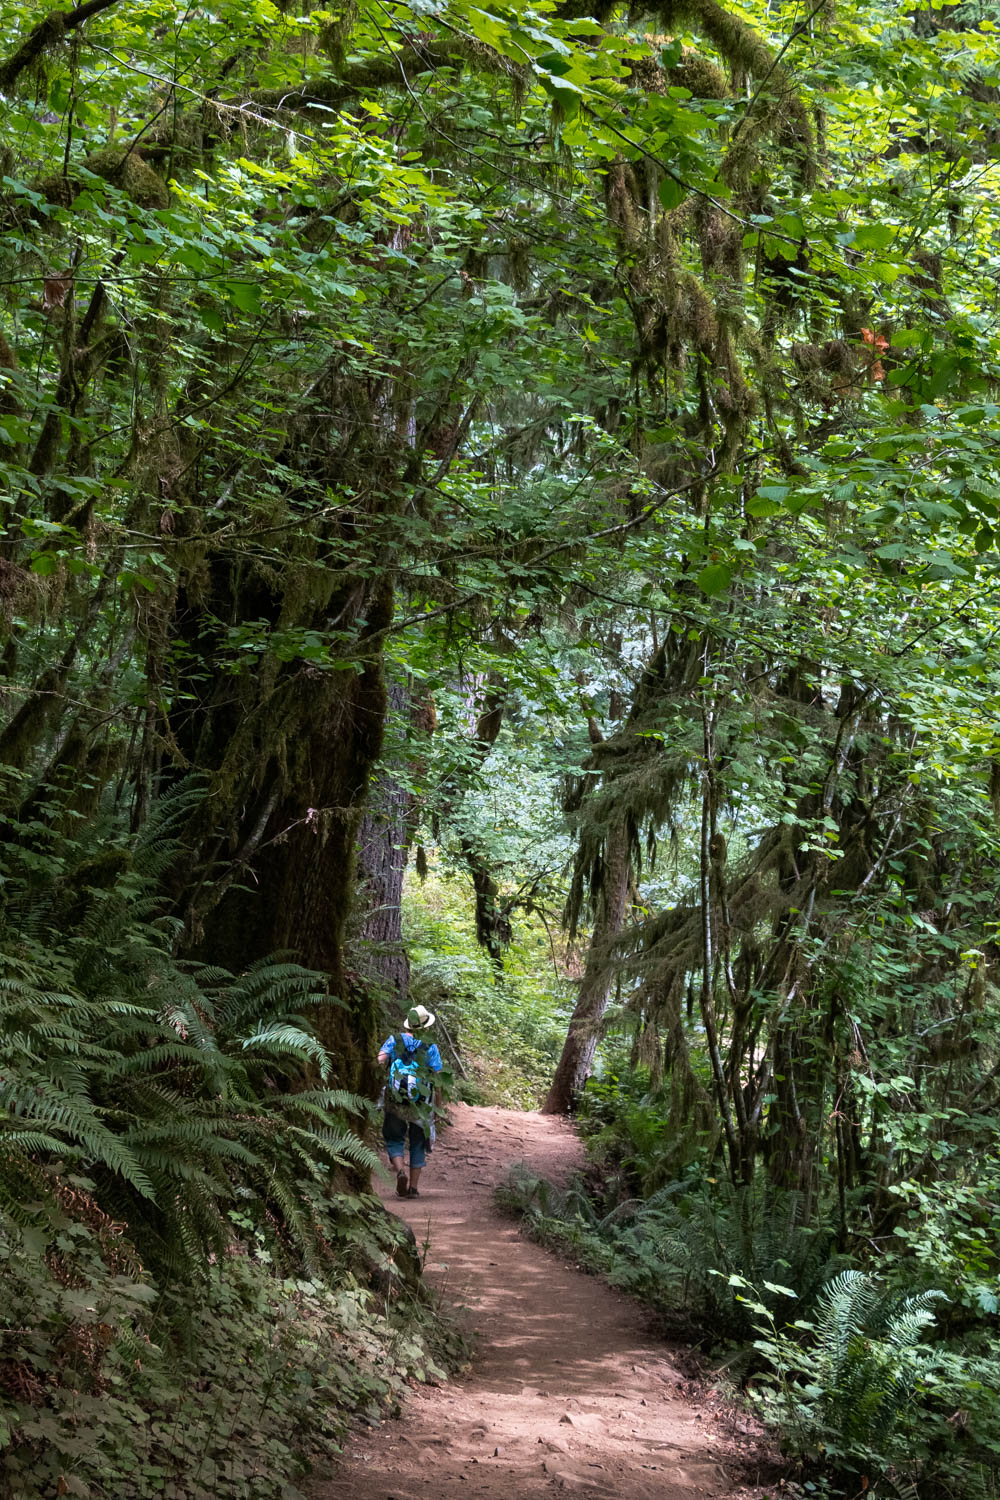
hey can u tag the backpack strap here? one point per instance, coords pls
(403, 1054)
(400, 1051)
(421, 1074)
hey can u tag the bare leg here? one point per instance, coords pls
(415, 1176)
(398, 1166)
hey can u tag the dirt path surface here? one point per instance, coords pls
(567, 1391)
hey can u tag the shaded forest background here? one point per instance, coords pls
(550, 458)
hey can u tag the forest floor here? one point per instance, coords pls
(568, 1389)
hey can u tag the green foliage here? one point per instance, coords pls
(188, 1279)
(622, 1121)
(684, 1249)
(949, 1234)
(638, 387)
(177, 1088)
(508, 1028)
(861, 1365)
(108, 1386)
(863, 1390)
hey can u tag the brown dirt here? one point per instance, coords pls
(568, 1390)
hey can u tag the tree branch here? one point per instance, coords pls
(54, 27)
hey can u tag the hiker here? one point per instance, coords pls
(410, 1096)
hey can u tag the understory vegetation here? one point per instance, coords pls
(244, 1391)
(874, 1361)
(199, 1292)
(503, 1031)
(545, 457)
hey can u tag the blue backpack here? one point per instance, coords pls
(410, 1086)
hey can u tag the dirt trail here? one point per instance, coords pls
(567, 1390)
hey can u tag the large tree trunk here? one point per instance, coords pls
(287, 747)
(292, 821)
(578, 1051)
(383, 846)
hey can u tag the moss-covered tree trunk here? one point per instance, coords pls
(582, 1037)
(384, 835)
(290, 757)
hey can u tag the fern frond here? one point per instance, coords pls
(323, 1100)
(77, 1120)
(284, 1040)
(166, 1054)
(28, 1140)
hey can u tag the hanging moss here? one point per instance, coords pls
(693, 71)
(621, 194)
(48, 33)
(784, 117)
(700, 76)
(720, 240)
(126, 169)
(119, 166)
(333, 36)
(734, 39)
(20, 591)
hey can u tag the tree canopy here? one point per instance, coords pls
(563, 435)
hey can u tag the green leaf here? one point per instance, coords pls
(714, 579)
(672, 192)
(245, 295)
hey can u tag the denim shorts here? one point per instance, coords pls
(394, 1133)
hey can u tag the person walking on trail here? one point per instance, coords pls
(410, 1095)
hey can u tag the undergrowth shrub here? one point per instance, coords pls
(508, 1028)
(854, 1371)
(622, 1119)
(111, 1387)
(670, 1248)
(864, 1397)
(175, 1086)
(851, 1383)
(189, 1272)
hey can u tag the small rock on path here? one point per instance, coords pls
(567, 1392)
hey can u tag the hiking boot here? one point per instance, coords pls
(412, 1193)
(403, 1189)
